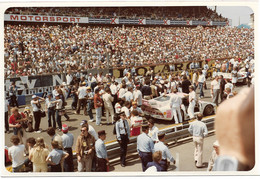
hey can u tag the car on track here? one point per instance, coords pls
(241, 76)
(159, 108)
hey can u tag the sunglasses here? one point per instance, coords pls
(83, 130)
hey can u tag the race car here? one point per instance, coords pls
(241, 76)
(159, 108)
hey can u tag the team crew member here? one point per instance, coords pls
(175, 104)
(215, 87)
(145, 147)
(166, 154)
(198, 130)
(122, 135)
(101, 152)
(35, 102)
(153, 131)
(192, 102)
(67, 141)
(56, 156)
(85, 147)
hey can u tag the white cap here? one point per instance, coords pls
(34, 96)
(216, 143)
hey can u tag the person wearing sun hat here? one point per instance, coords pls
(101, 152)
(67, 141)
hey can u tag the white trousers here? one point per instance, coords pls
(176, 110)
(111, 111)
(191, 109)
(198, 152)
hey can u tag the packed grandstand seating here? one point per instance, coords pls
(171, 13)
(40, 49)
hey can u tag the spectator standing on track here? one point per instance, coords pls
(91, 129)
(58, 110)
(195, 79)
(166, 154)
(108, 99)
(185, 84)
(153, 130)
(234, 74)
(74, 96)
(198, 130)
(85, 147)
(90, 103)
(15, 122)
(51, 132)
(214, 155)
(137, 95)
(119, 105)
(101, 152)
(145, 147)
(38, 156)
(122, 135)
(50, 110)
(136, 123)
(146, 90)
(175, 104)
(36, 105)
(98, 103)
(12, 94)
(67, 141)
(56, 156)
(222, 82)
(82, 92)
(64, 103)
(157, 158)
(15, 154)
(215, 87)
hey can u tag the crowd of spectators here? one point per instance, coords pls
(40, 49)
(171, 13)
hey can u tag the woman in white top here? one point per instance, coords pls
(192, 102)
(35, 102)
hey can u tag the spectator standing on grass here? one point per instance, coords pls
(198, 130)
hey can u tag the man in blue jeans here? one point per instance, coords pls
(90, 103)
(201, 83)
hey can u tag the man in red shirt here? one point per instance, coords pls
(15, 122)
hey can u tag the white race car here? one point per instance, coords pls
(241, 76)
(159, 108)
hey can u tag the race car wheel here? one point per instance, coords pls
(208, 110)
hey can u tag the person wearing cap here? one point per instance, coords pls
(101, 152)
(153, 130)
(145, 146)
(166, 154)
(122, 135)
(108, 99)
(90, 103)
(198, 130)
(36, 105)
(67, 141)
(50, 110)
(175, 104)
(58, 109)
(85, 146)
(214, 155)
(82, 92)
(91, 129)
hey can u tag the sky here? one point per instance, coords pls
(234, 12)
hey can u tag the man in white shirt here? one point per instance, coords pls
(128, 96)
(126, 110)
(108, 99)
(122, 91)
(137, 94)
(175, 104)
(215, 86)
(82, 92)
(201, 83)
(153, 131)
(15, 154)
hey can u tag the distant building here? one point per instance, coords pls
(252, 20)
